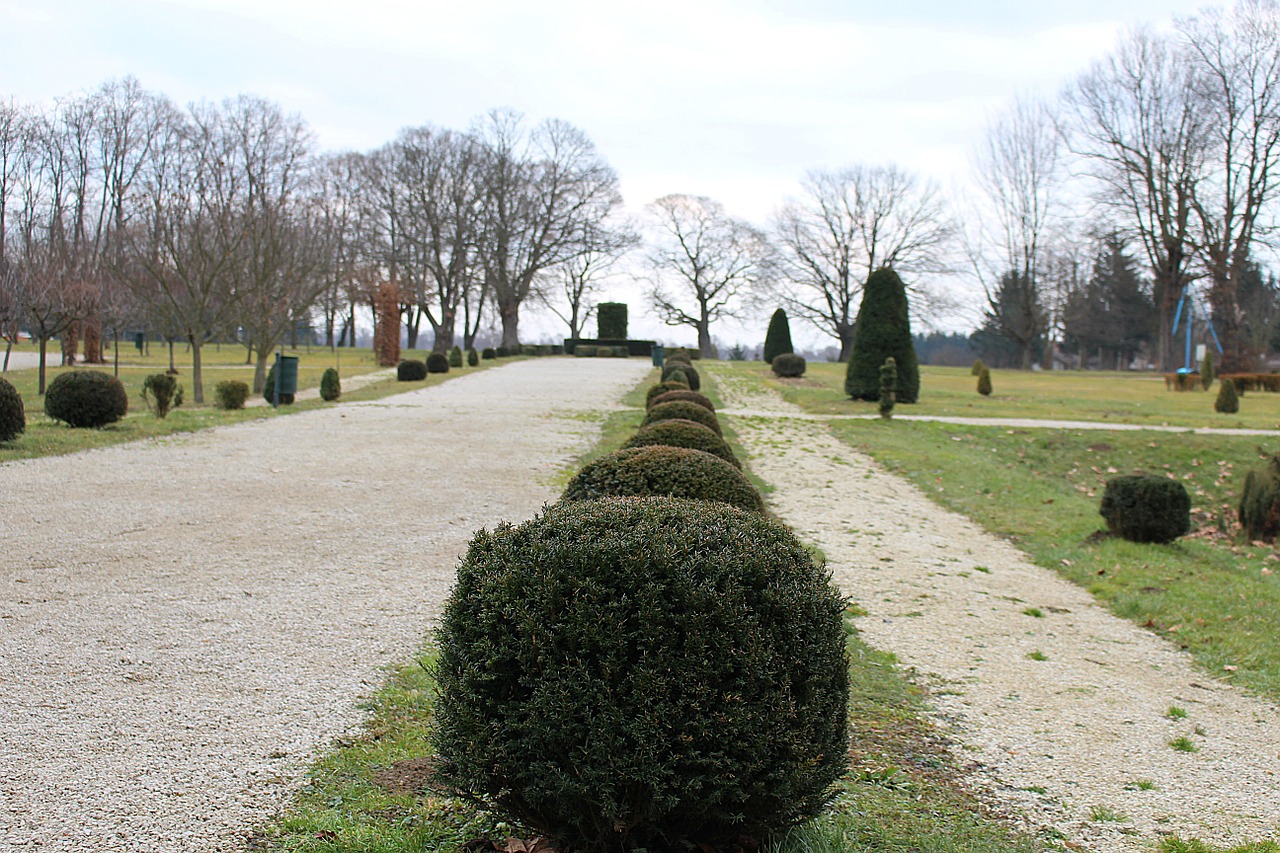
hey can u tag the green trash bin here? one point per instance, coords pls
(286, 378)
(657, 355)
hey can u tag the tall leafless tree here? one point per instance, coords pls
(849, 223)
(705, 263)
(570, 294)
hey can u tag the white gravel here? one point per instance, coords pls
(1064, 740)
(184, 622)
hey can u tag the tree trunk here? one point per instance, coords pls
(846, 343)
(509, 312)
(44, 347)
(705, 348)
(260, 374)
(197, 372)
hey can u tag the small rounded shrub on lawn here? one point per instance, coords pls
(230, 394)
(687, 396)
(659, 471)
(473, 357)
(330, 385)
(643, 674)
(662, 388)
(489, 353)
(1146, 508)
(158, 391)
(682, 410)
(688, 434)
(455, 357)
(788, 364)
(412, 370)
(691, 375)
(86, 399)
(437, 362)
(13, 415)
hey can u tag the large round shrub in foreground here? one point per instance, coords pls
(86, 399)
(13, 415)
(683, 410)
(643, 673)
(663, 471)
(1146, 508)
(678, 433)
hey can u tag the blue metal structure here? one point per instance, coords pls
(1187, 300)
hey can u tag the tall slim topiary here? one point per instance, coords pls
(611, 321)
(883, 331)
(1206, 370)
(888, 387)
(1259, 508)
(1228, 402)
(984, 381)
(778, 339)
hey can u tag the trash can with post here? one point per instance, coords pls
(286, 379)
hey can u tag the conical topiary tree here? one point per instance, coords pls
(778, 339)
(1206, 370)
(883, 330)
(888, 386)
(1228, 402)
(984, 381)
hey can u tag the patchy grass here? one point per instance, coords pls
(1112, 397)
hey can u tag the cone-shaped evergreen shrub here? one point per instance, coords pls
(660, 471)
(883, 331)
(611, 321)
(691, 375)
(437, 362)
(984, 381)
(473, 357)
(680, 433)
(625, 674)
(86, 399)
(777, 340)
(330, 385)
(1228, 401)
(682, 410)
(679, 394)
(411, 370)
(1146, 508)
(976, 370)
(1259, 510)
(662, 388)
(13, 415)
(455, 357)
(788, 364)
(1206, 370)
(269, 389)
(158, 391)
(230, 394)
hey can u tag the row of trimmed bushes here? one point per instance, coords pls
(651, 662)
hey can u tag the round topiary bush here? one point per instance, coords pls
(437, 362)
(503, 352)
(677, 433)
(13, 415)
(330, 385)
(412, 370)
(86, 398)
(230, 394)
(660, 471)
(788, 364)
(682, 410)
(658, 674)
(662, 388)
(680, 394)
(489, 353)
(473, 357)
(1146, 508)
(691, 374)
(269, 389)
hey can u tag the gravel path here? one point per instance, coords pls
(183, 622)
(1064, 740)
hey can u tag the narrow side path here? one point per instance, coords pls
(183, 622)
(1067, 739)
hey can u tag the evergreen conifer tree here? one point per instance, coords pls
(778, 339)
(1206, 370)
(1228, 402)
(883, 330)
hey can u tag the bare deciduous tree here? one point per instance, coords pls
(574, 284)
(704, 263)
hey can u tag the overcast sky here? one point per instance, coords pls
(734, 100)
